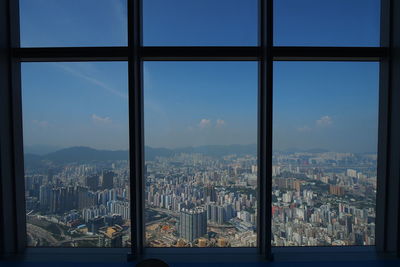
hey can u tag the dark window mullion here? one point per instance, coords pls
(135, 126)
(199, 53)
(269, 131)
(16, 135)
(388, 199)
(383, 134)
(265, 127)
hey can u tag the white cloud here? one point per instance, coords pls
(304, 129)
(91, 80)
(324, 121)
(99, 119)
(40, 123)
(220, 123)
(204, 123)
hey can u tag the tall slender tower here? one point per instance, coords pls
(193, 224)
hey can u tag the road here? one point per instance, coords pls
(39, 233)
(168, 212)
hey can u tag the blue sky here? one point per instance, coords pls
(326, 22)
(73, 23)
(328, 105)
(199, 22)
(331, 105)
(200, 103)
(75, 104)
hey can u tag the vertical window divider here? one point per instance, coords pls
(394, 10)
(15, 221)
(136, 151)
(269, 123)
(388, 199)
(392, 205)
(8, 242)
(384, 149)
(265, 127)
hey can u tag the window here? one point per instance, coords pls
(236, 127)
(200, 23)
(76, 154)
(325, 153)
(200, 154)
(327, 23)
(48, 23)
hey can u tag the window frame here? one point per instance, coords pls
(11, 149)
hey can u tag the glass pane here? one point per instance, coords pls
(201, 154)
(327, 22)
(75, 119)
(200, 23)
(47, 23)
(324, 160)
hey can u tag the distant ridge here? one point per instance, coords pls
(74, 154)
(298, 150)
(40, 149)
(81, 153)
(210, 150)
(87, 154)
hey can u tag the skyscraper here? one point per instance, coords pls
(193, 224)
(107, 179)
(211, 194)
(44, 196)
(221, 215)
(92, 182)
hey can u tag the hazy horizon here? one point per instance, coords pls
(328, 105)
(43, 150)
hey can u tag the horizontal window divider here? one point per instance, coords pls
(279, 254)
(327, 58)
(320, 249)
(330, 253)
(200, 53)
(202, 250)
(200, 256)
(76, 251)
(287, 53)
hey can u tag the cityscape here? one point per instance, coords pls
(200, 197)
(78, 197)
(200, 175)
(322, 198)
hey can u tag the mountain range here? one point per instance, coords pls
(85, 154)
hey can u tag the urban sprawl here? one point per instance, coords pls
(197, 199)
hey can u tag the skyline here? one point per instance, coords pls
(43, 150)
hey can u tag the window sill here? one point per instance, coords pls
(280, 254)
